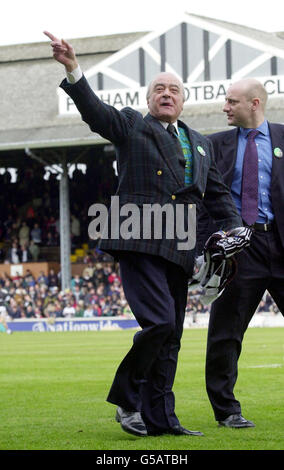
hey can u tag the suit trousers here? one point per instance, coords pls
(156, 290)
(260, 268)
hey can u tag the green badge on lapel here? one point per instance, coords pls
(278, 152)
(201, 150)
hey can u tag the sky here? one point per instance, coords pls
(23, 21)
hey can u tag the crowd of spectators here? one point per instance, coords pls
(96, 292)
(29, 208)
(29, 220)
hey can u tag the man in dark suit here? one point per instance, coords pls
(152, 169)
(261, 266)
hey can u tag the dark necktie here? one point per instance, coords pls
(172, 130)
(250, 180)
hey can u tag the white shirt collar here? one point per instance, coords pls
(165, 125)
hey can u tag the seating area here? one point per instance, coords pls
(29, 237)
(79, 253)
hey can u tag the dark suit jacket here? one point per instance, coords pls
(225, 148)
(150, 170)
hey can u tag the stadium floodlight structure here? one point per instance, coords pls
(65, 236)
(64, 214)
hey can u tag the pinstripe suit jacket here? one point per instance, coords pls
(151, 170)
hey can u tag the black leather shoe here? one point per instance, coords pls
(236, 421)
(179, 430)
(131, 422)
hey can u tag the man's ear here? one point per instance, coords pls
(255, 103)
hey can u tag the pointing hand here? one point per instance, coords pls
(63, 52)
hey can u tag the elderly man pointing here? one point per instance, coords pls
(162, 161)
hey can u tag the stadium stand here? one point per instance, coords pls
(29, 234)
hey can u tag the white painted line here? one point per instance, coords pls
(264, 366)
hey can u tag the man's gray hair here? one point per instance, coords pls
(149, 88)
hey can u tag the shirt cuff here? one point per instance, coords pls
(75, 75)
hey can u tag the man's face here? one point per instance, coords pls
(165, 100)
(238, 107)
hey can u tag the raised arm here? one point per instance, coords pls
(63, 52)
(101, 117)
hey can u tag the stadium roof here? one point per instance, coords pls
(30, 113)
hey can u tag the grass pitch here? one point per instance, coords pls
(53, 388)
